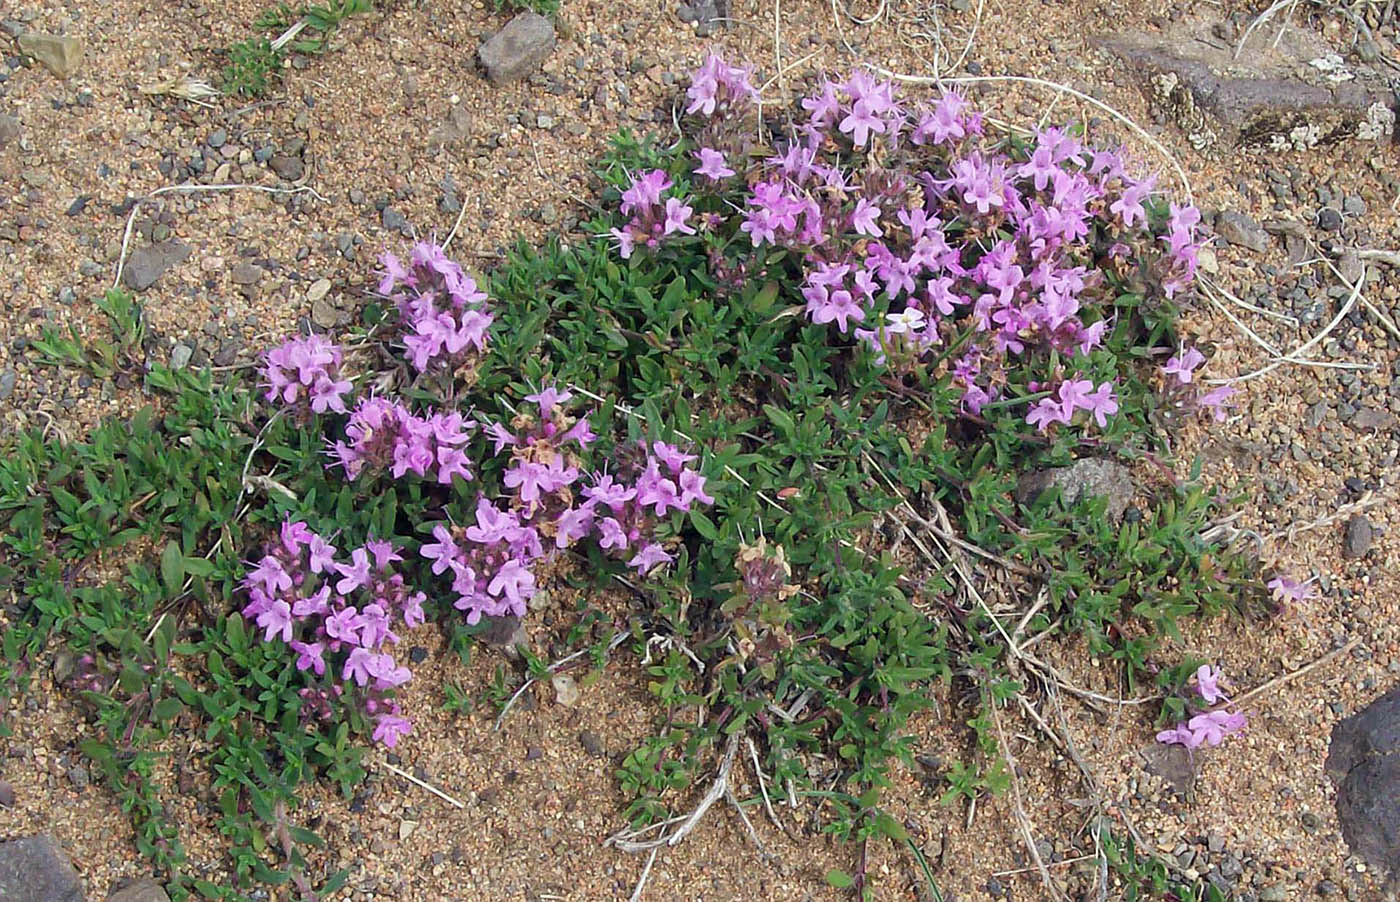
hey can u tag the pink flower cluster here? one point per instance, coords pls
(1074, 395)
(310, 365)
(441, 309)
(652, 218)
(385, 435)
(491, 560)
(339, 618)
(1211, 726)
(718, 88)
(913, 229)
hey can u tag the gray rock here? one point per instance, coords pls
(1088, 477)
(1356, 538)
(1172, 763)
(706, 15)
(592, 744)
(1241, 231)
(227, 353)
(148, 264)
(140, 891)
(79, 777)
(394, 221)
(518, 49)
(7, 384)
(508, 634)
(1364, 763)
(35, 869)
(60, 54)
(288, 167)
(246, 274)
(7, 794)
(9, 130)
(1268, 97)
(180, 356)
(1328, 219)
(324, 314)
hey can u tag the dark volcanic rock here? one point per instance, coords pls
(1364, 763)
(34, 869)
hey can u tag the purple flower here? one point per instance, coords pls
(389, 727)
(866, 219)
(1045, 412)
(548, 397)
(515, 582)
(1208, 684)
(1286, 588)
(674, 459)
(676, 215)
(712, 164)
(572, 525)
(1182, 365)
(1102, 404)
(357, 665)
(649, 557)
(612, 534)
(493, 525)
(322, 554)
(1179, 735)
(1214, 401)
(270, 575)
(442, 552)
(692, 486)
(1213, 726)
(355, 574)
(309, 656)
(344, 625)
(276, 619)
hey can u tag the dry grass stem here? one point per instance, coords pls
(422, 784)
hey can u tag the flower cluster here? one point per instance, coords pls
(441, 309)
(339, 619)
(306, 370)
(492, 560)
(1211, 725)
(913, 230)
(652, 218)
(385, 435)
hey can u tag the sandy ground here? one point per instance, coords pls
(398, 107)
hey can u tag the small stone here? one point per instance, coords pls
(7, 795)
(218, 139)
(544, 121)
(1241, 230)
(60, 54)
(565, 689)
(1354, 206)
(140, 891)
(1172, 763)
(549, 213)
(319, 289)
(246, 274)
(78, 205)
(406, 829)
(1351, 268)
(288, 167)
(1205, 258)
(592, 744)
(78, 776)
(1274, 893)
(180, 356)
(9, 130)
(518, 49)
(507, 633)
(1357, 537)
(1328, 219)
(35, 869)
(1089, 476)
(417, 654)
(148, 264)
(227, 353)
(7, 384)
(394, 220)
(324, 314)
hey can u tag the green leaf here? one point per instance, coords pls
(172, 568)
(704, 525)
(890, 827)
(840, 879)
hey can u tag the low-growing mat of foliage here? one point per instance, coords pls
(774, 412)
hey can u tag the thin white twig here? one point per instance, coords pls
(627, 839)
(422, 784)
(646, 872)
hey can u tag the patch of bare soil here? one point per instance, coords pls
(395, 127)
